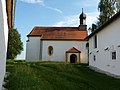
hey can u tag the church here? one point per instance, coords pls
(74, 45)
(63, 44)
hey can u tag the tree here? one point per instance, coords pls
(15, 45)
(117, 5)
(107, 9)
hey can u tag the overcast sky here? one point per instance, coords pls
(30, 13)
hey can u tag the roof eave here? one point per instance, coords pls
(64, 39)
(10, 8)
(34, 35)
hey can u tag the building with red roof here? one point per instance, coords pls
(66, 44)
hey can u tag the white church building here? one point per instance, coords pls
(64, 44)
(104, 46)
(70, 44)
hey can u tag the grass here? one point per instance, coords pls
(57, 76)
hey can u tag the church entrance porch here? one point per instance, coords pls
(73, 58)
(73, 55)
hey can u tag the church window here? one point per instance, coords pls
(114, 55)
(50, 50)
(95, 41)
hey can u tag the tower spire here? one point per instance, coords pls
(82, 18)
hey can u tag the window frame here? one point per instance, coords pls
(50, 50)
(94, 57)
(113, 55)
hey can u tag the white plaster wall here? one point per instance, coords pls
(109, 38)
(60, 48)
(33, 49)
(3, 39)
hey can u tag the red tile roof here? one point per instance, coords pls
(59, 33)
(73, 50)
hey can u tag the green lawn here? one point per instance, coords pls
(57, 76)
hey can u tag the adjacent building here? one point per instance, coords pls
(104, 46)
(5, 6)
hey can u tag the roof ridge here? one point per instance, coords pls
(60, 33)
(54, 27)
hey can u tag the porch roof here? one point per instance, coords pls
(73, 50)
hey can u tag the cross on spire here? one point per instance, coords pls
(82, 10)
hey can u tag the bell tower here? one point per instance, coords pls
(82, 18)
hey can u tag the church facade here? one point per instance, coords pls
(64, 44)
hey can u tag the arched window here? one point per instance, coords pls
(50, 50)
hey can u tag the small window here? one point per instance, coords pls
(94, 58)
(87, 45)
(95, 41)
(113, 55)
(50, 50)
